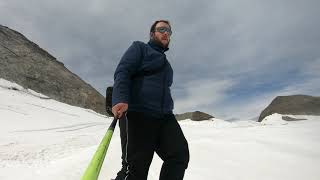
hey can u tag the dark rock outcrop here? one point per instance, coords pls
(195, 116)
(295, 105)
(287, 118)
(25, 63)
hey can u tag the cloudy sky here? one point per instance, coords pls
(230, 57)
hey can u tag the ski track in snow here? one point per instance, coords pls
(66, 128)
(45, 139)
(55, 110)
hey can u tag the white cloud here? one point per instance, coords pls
(223, 43)
(254, 105)
(202, 94)
(310, 85)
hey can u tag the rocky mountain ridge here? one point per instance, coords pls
(195, 116)
(294, 104)
(25, 63)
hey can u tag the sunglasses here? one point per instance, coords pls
(163, 30)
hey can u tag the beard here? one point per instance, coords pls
(158, 41)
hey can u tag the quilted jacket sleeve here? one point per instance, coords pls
(128, 65)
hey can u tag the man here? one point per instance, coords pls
(142, 101)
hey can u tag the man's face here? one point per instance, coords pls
(162, 37)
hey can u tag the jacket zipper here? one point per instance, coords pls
(163, 93)
(163, 86)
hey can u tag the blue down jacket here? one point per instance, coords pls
(146, 93)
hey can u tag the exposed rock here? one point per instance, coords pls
(195, 116)
(287, 118)
(232, 119)
(25, 63)
(295, 105)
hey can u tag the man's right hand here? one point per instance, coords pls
(119, 109)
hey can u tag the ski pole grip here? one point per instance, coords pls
(113, 124)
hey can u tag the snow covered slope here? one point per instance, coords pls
(44, 139)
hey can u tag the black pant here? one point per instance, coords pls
(141, 136)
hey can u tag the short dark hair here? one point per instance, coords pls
(153, 27)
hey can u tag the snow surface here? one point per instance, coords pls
(44, 139)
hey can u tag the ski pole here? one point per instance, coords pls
(93, 170)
